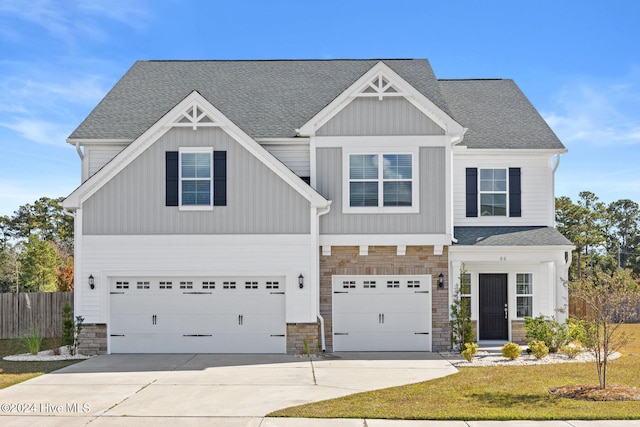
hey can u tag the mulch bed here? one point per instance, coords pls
(594, 392)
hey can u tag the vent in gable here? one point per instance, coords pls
(193, 117)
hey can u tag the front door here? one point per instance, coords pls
(493, 321)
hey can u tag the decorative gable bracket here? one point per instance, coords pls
(194, 116)
(380, 86)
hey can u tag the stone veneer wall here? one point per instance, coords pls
(518, 332)
(93, 339)
(383, 260)
(295, 337)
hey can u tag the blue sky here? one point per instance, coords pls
(577, 61)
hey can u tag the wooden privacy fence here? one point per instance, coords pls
(20, 313)
(578, 308)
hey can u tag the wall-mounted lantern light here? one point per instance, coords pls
(92, 282)
(301, 281)
(440, 281)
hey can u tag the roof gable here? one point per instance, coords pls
(193, 111)
(381, 82)
(266, 99)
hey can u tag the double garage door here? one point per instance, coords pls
(197, 315)
(382, 313)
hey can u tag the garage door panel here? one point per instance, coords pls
(382, 313)
(382, 342)
(220, 315)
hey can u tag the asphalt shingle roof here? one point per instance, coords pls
(270, 99)
(497, 114)
(509, 236)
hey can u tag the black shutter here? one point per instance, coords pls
(515, 198)
(472, 192)
(171, 178)
(219, 178)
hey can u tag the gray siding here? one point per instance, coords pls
(430, 219)
(258, 201)
(370, 116)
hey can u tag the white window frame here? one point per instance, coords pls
(505, 192)
(191, 150)
(415, 175)
(522, 295)
(466, 296)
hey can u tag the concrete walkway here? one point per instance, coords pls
(223, 390)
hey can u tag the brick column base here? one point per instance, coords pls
(296, 333)
(93, 339)
(518, 332)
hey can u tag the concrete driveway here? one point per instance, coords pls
(199, 389)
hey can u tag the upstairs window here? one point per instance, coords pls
(195, 178)
(380, 182)
(493, 192)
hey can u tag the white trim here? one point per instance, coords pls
(284, 141)
(163, 125)
(401, 250)
(410, 93)
(364, 250)
(326, 250)
(415, 182)
(463, 150)
(438, 249)
(86, 141)
(382, 142)
(385, 239)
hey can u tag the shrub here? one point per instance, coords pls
(460, 323)
(539, 349)
(470, 350)
(553, 333)
(511, 350)
(68, 326)
(576, 331)
(32, 342)
(571, 350)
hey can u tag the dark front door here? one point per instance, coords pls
(493, 322)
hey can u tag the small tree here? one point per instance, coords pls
(609, 300)
(461, 326)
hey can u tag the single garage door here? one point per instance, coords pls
(197, 315)
(382, 313)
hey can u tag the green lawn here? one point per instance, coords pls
(16, 372)
(491, 393)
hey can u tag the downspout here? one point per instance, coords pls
(321, 212)
(80, 153)
(455, 140)
(555, 166)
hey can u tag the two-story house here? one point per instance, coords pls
(241, 206)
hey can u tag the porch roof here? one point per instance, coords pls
(509, 236)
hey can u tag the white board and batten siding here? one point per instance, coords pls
(382, 313)
(536, 188)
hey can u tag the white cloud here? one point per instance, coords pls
(71, 19)
(601, 113)
(44, 106)
(40, 131)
